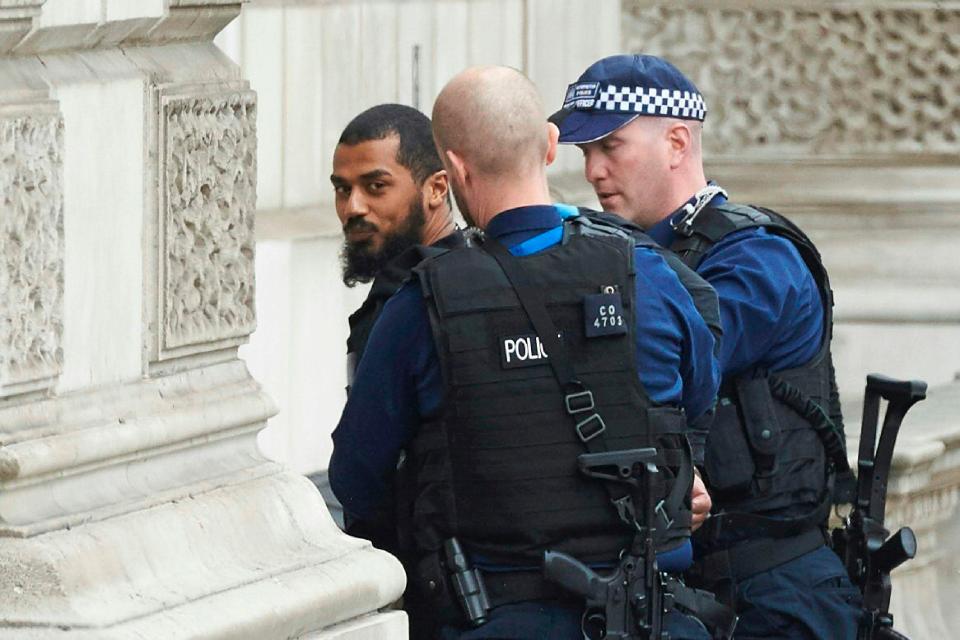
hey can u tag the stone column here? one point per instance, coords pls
(134, 502)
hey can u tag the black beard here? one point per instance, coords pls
(360, 264)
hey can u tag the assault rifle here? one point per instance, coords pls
(629, 602)
(863, 543)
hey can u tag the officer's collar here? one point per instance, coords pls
(530, 218)
(664, 231)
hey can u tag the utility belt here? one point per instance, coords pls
(511, 587)
(458, 594)
(739, 545)
(720, 571)
(461, 595)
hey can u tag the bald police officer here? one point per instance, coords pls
(460, 374)
(778, 428)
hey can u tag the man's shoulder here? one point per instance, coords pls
(407, 297)
(401, 321)
(764, 257)
(756, 244)
(611, 223)
(759, 225)
(453, 240)
(663, 263)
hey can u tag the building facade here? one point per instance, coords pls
(135, 501)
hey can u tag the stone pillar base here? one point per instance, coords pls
(388, 624)
(239, 548)
(256, 559)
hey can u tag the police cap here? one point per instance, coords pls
(615, 90)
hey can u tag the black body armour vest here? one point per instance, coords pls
(498, 468)
(773, 443)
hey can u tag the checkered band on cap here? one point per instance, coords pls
(652, 101)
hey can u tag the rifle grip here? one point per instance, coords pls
(569, 573)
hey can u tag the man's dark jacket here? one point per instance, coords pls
(382, 530)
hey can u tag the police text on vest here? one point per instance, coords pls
(522, 351)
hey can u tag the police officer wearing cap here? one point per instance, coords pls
(460, 373)
(770, 452)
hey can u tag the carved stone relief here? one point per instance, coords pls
(796, 80)
(209, 190)
(31, 250)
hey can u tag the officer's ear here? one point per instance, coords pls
(435, 189)
(553, 140)
(456, 167)
(679, 141)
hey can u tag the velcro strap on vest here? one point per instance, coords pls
(595, 224)
(674, 501)
(693, 244)
(669, 420)
(752, 557)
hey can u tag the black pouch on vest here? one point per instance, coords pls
(427, 600)
(760, 422)
(429, 588)
(728, 464)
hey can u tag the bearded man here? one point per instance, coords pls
(393, 203)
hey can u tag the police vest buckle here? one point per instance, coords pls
(579, 402)
(591, 427)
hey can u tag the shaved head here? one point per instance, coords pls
(493, 118)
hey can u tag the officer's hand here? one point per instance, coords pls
(699, 502)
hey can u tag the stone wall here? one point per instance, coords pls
(821, 79)
(134, 502)
(31, 246)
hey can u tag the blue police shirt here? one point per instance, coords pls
(770, 307)
(398, 384)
